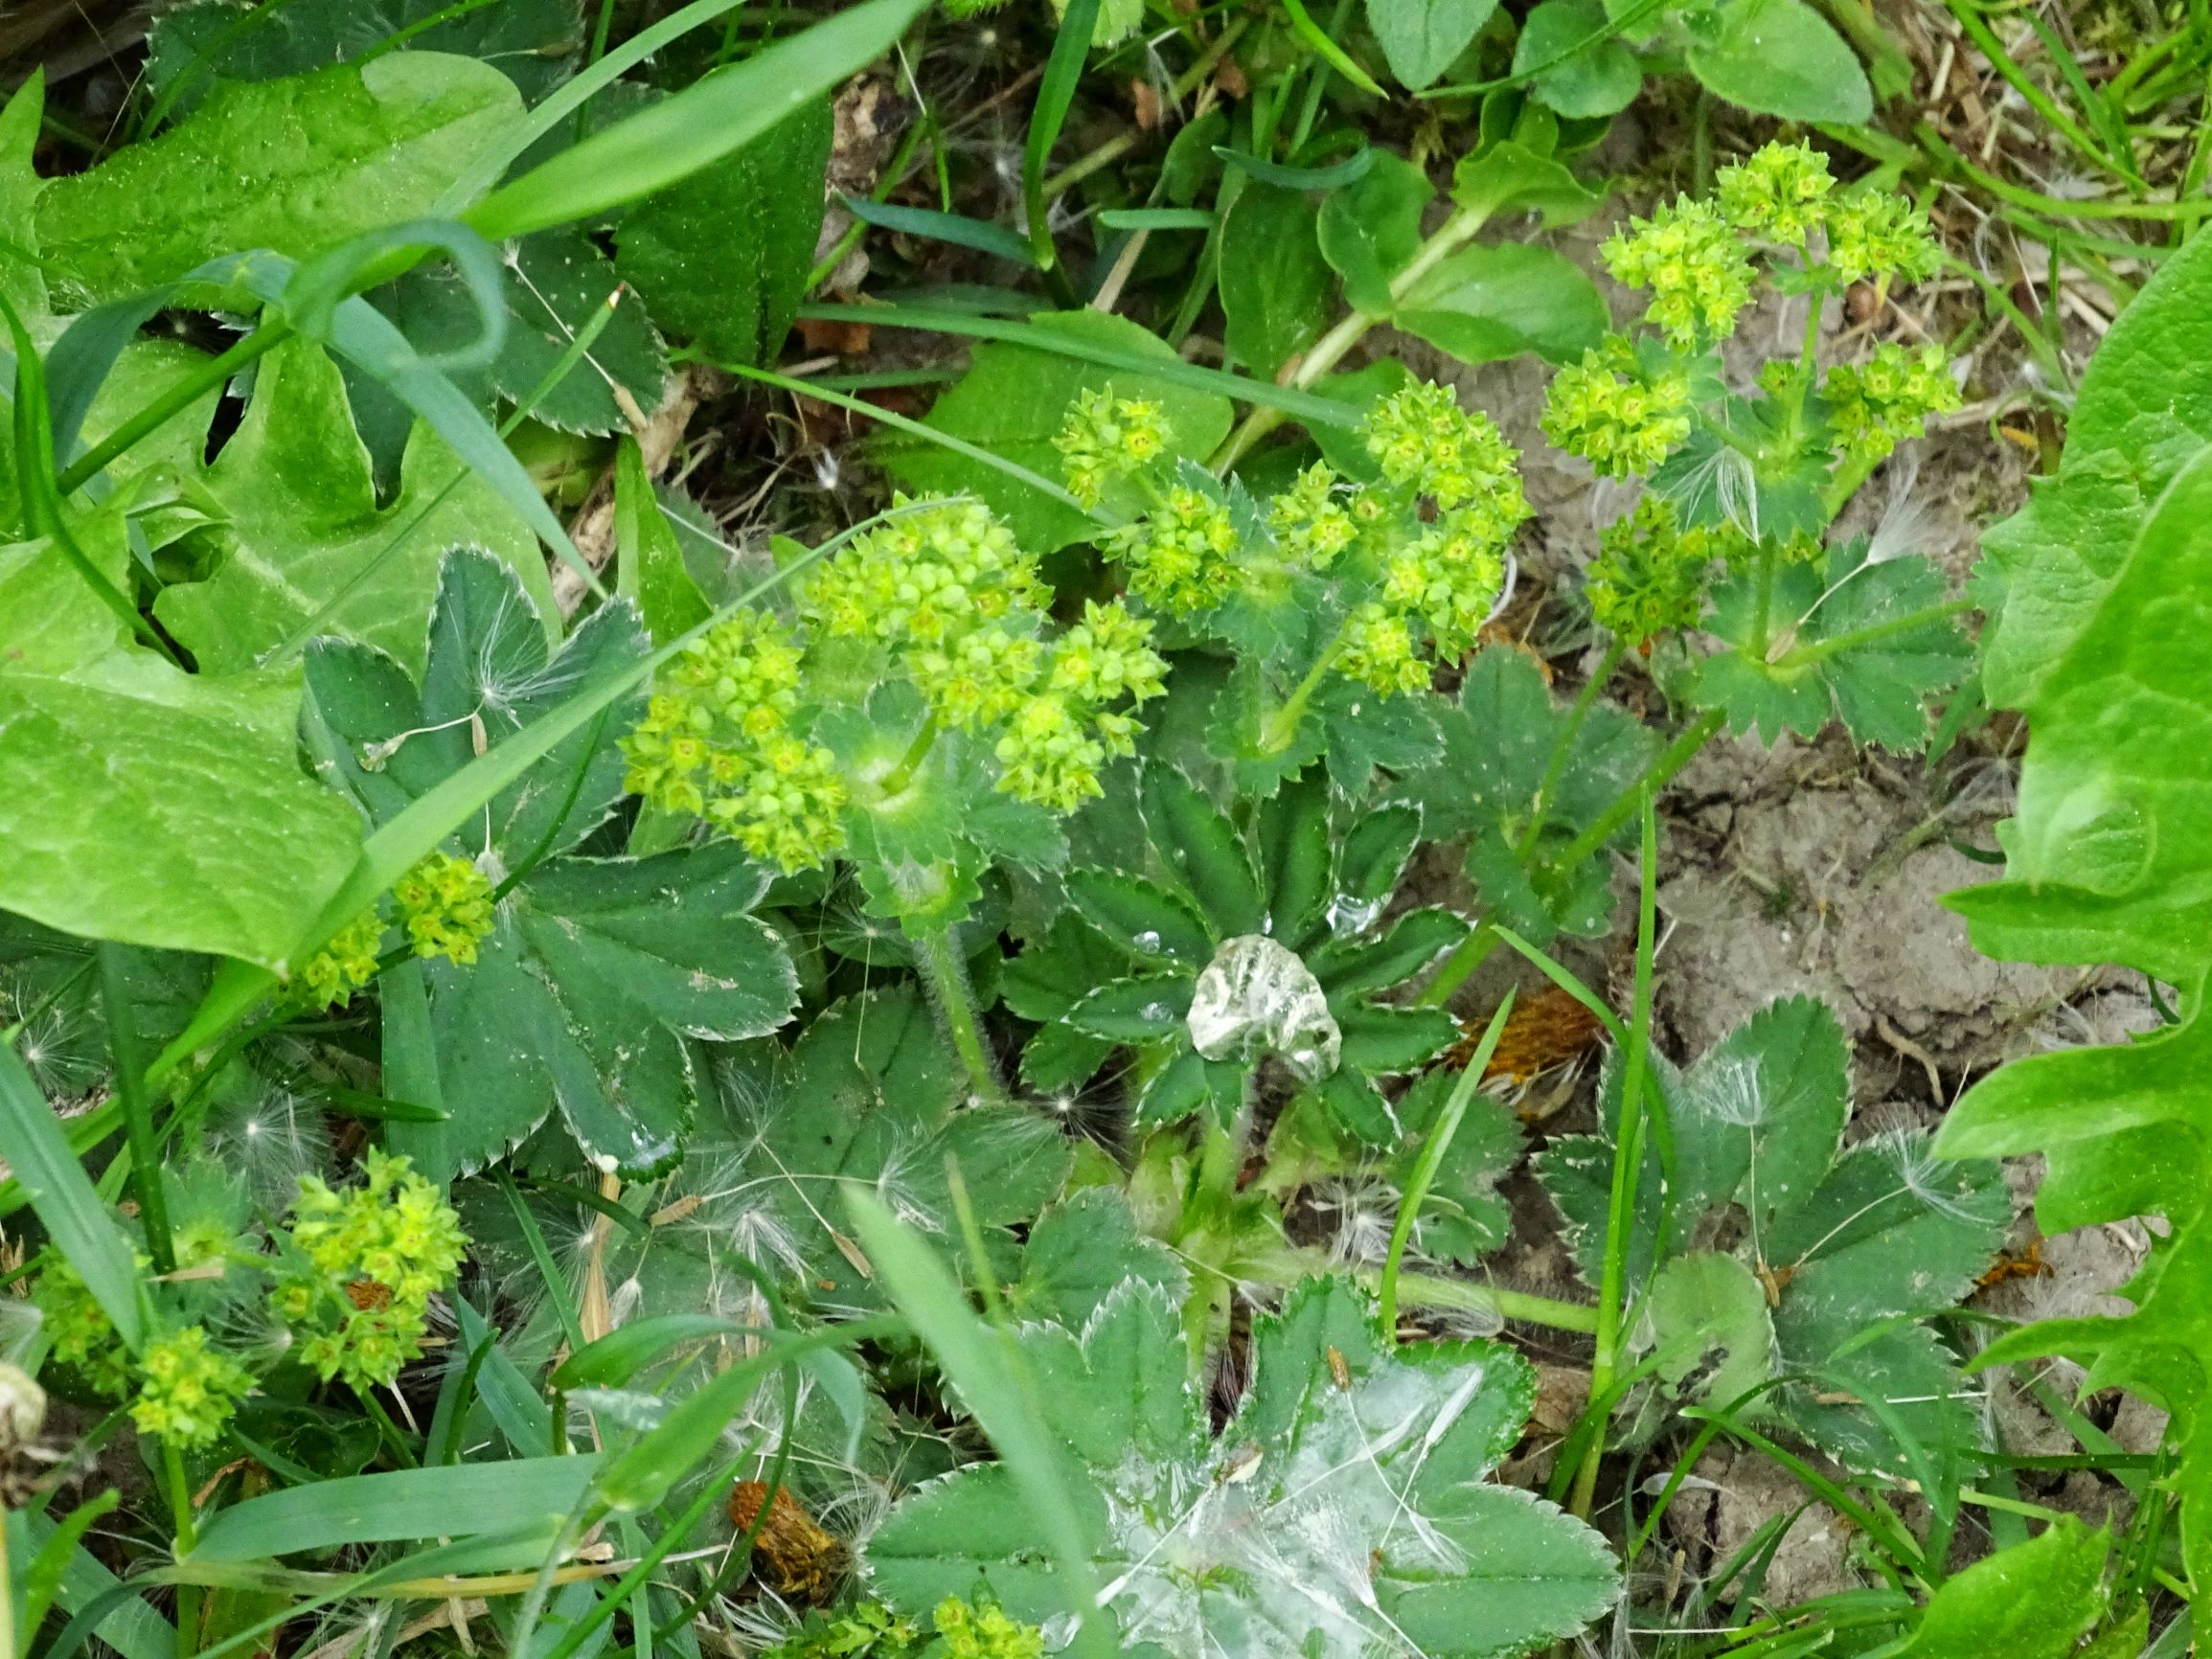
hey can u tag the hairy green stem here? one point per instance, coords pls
(911, 762)
(1656, 777)
(1468, 955)
(947, 977)
(1282, 725)
(187, 1596)
(1819, 650)
(1541, 801)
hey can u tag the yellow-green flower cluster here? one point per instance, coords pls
(1606, 410)
(1106, 656)
(1182, 558)
(716, 741)
(1875, 235)
(1780, 192)
(927, 577)
(342, 967)
(1105, 438)
(1310, 522)
(80, 1334)
(1694, 263)
(1380, 652)
(1649, 574)
(984, 1632)
(979, 678)
(1449, 578)
(1051, 751)
(188, 1391)
(374, 1256)
(446, 907)
(1878, 404)
(1422, 437)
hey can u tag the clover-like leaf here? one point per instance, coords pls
(1324, 1518)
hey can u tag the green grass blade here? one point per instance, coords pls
(1063, 72)
(457, 1501)
(621, 1354)
(984, 237)
(1304, 406)
(696, 127)
(77, 1221)
(137, 1109)
(983, 1364)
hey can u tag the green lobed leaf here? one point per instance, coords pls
(1014, 401)
(1780, 58)
(722, 258)
(1145, 920)
(1495, 300)
(298, 164)
(198, 829)
(1419, 38)
(1322, 1520)
(1080, 1251)
(1465, 1218)
(2034, 1601)
(303, 542)
(1510, 175)
(1274, 283)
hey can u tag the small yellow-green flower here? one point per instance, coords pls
(1649, 574)
(1422, 437)
(1182, 558)
(1310, 522)
(924, 577)
(1607, 411)
(1106, 656)
(979, 678)
(1875, 235)
(1379, 651)
(984, 1632)
(1105, 438)
(80, 1334)
(1780, 192)
(1049, 755)
(376, 1255)
(1880, 403)
(188, 1391)
(342, 967)
(1694, 263)
(446, 907)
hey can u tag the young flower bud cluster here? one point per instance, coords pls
(77, 1329)
(1649, 574)
(445, 907)
(928, 576)
(342, 967)
(1694, 263)
(983, 1631)
(1107, 438)
(1779, 192)
(716, 741)
(1182, 558)
(1310, 522)
(368, 1262)
(1609, 412)
(1876, 235)
(1380, 652)
(188, 1391)
(1886, 399)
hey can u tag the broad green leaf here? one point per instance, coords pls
(298, 164)
(399, 1504)
(1145, 920)
(22, 284)
(303, 543)
(1709, 1324)
(722, 258)
(2108, 861)
(1143, 1008)
(1371, 229)
(197, 830)
(1509, 175)
(192, 48)
(1495, 300)
(1323, 1519)
(1415, 940)
(157, 468)
(1816, 669)
(1274, 283)
(487, 676)
(1779, 58)
(134, 1629)
(2144, 409)
(1014, 403)
(1498, 746)
(2034, 1601)
(1080, 1251)
(1601, 78)
(553, 282)
(595, 974)
(76, 1221)
(1202, 846)
(1421, 38)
